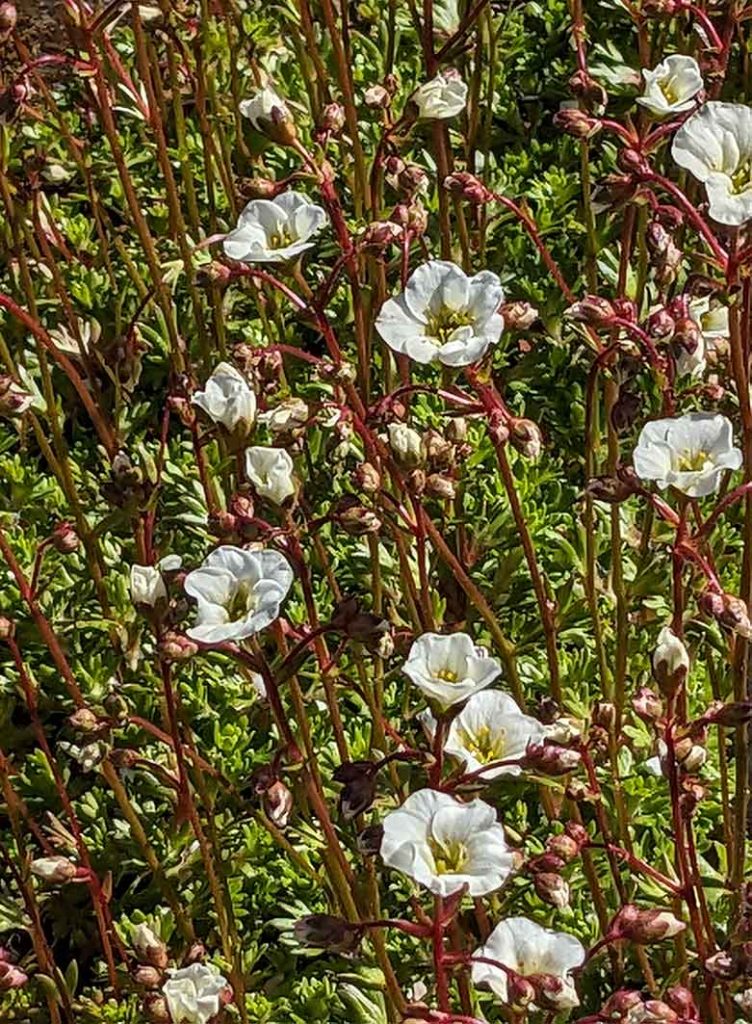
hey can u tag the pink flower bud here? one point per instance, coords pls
(278, 804)
(526, 437)
(552, 889)
(147, 977)
(177, 647)
(683, 1002)
(647, 704)
(332, 119)
(577, 123)
(440, 486)
(520, 991)
(564, 846)
(8, 19)
(11, 976)
(645, 926)
(729, 715)
(64, 538)
(56, 870)
(518, 316)
(660, 324)
(466, 186)
(550, 759)
(729, 611)
(592, 310)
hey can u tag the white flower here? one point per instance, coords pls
(690, 452)
(715, 145)
(528, 950)
(193, 994)
(238, 593)
(713, 319)
(670, 655)
(443, 97)
(444, 315)
(449, 669)
(274, 230)
(671, 87)
(270, 472)
(227, 398)
(489, 728)
(265, 107)
(444, 844)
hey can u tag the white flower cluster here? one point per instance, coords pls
(446, 844)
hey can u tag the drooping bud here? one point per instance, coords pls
(356, 519)
(14, 400)
(146, 977)
(64, 538)
(592, 93)
(592, 310)
(148, 947)
(270, 115)
(407, 445)
(625, 409)
(11, 976)
(358, 779)
(377, 97)
(670, 661)
(550, 759)
(647, 704)
(619, 1006)
(610, 489)
(327, 932)
(683, 1002)
(518, 316)
(729, 611)
(466, 186)
(526, 437)
(723, 965)
(437, 485)
(85, 720)
(55, 869)
(563, 846)
(730, 716)
(175, 646)
(552, 889)
(577, 123)
(8, 19)
(644, 926)
(380, 234)
(278, 804)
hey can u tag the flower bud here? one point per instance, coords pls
(550, 759)
(278, 804)
(631, 161)
(619, 1006)
(55, 870)
(332, 119)
(64, 538)
(359, 787)
(645, 926)
(729, 715)
(545, 862)
(327, 932)
(585, 88)
(14, 400)
(723, 965)
(729, 611)
(377, 97)
(147, 977)
(380, 234)
(270, 115)
(526, 437)
(563, 846)
(744, 1001)
(670, 661)
(592, 310)
(8, 19)
(11, 976)
(439, 486)
(518, 316)
(148, 947)
(369, 840)
(177, 646)
(357, 520)
(625, 410)
(520, 992)
(688, 335)
(660, 324)
(610, 489)
(412, 179)
(439, 451)
(85, 720)
(576, 123)
(647, 704)
(683, 1002)
(547, 990)
(413, 216)
(658, 1012)
(155, 1009)
(466, 186)
(407, 445)
(552, 889)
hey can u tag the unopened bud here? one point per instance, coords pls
(366, 478)
(670, 661)
(625, 410)
(14, 400)
(647, 704)
(456, 430)
(155, 1009)
(660, 324)
(729, 715)
(377, 97)
(11, 976)
(380, 234)
(439, 486)
(683, 1002)
(407, 445)
(585, 88)
(466, 186)
(619, 1006)
(518, 316)
(520, 992)
(548, 988)
(592, 310)
(332, 119)
(526, 437)
(148, 947)
(412, 179)
(7, 628)
(327, 932)
(723, 965)
(688, 335)
(55, 870)
(369, 840)
(177, 646)
(577, 123)
(729, 611)
(359, 787)
(147, 977)
(552, 889)
(8, 19)
(550, 759)
(64, 538)
(610, 489)
(357, 520)
(645, 926)
(278, 804)
(85, 720)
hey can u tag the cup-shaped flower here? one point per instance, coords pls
(147, 585)
(530, 951)
(671, 87)
(239, 593)
(194, 994)
(490, 728)
(266, 111)
(275, 230)
(449, 669)
(715, 145)
(445, 844)
(443, 97)
(270, 472)
(444, 315)
(227, 398)
(688, 452)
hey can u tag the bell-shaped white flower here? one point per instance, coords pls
(449, 669)
(671, 87)
(715, 145)
(444, 315)
(239, 593)
(194, 994)
(489, 728)
(445, 844)
(270, 472)
(689, 452)
(264, 107)
(227, 398)
(275, 230)
(530, 951)
(443, 97)
(147, 585)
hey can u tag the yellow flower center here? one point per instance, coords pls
(484, 745)
(741, 179)
(441, 326)
(240, 602)
(692, 461)
(280, 239)
(449, 857)
(670, 91)
(446, 675)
